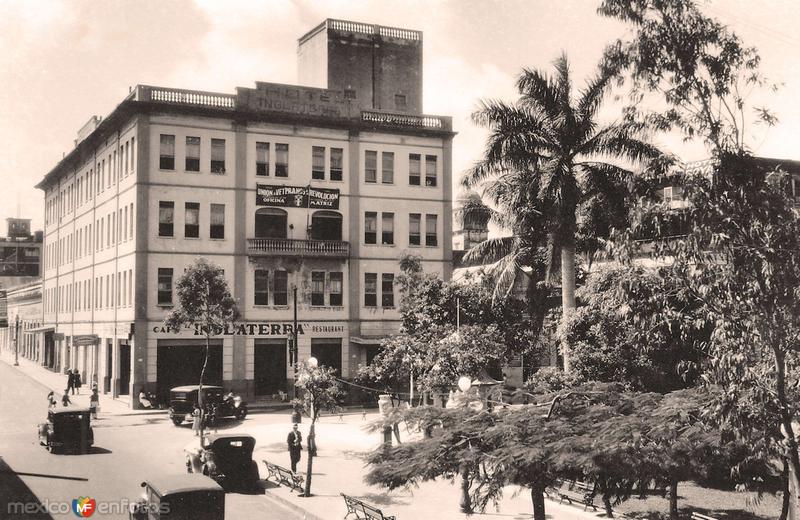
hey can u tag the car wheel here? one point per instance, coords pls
(241, 413)
(177, 420)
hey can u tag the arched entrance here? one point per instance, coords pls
(270, 223)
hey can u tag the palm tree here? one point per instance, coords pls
(545, 155)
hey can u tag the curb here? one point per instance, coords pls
(291, 506)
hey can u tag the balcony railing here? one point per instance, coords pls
(407, 120)
(294, 247)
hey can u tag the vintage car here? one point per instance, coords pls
(67, 429)
(217, 404)
(180, 497)
(228, 459)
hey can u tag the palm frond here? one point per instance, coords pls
(539, 91)
(504, 273)
(491, 250)
(602, 177)
(620, 141)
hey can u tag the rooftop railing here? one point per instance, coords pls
(185, 97)
(406, 120)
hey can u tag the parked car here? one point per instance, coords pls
(180, 497)
(228, 459)
(67, 429)
(217, 404)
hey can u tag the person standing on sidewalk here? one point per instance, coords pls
(94, 401)
(78, 381)
(65, 398)
(71, 381)
(294, 441)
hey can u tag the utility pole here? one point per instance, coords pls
(16, 341)
(293, 351)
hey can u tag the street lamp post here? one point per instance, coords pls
(464, 384)
(16, 341)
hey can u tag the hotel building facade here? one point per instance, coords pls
(315, 189)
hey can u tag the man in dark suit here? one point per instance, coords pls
(294, 440)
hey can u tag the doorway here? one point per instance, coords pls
(124, 368)
(180, 362)
(269, 366)
(270, 223)
(328, 352)
(326, 225)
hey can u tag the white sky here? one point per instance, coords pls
(61, 62)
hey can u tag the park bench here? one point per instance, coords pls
(362, 510)
(576, 491)
(700, 516)
(283, 476)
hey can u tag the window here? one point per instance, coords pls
(217, 221)
(317, 288)
(387, 290)
(164, 286)
(400, 102)
(349, 93)
(370, 227)
(262, 159)
(166, 155)
(387, 228)
(193, 154)
(166, 218)
(281, 288)
(218, 156)
(371, 166)
(430, 170)
(413, 169)
(430, 231)
(281, 160)
(337, 161)
(191, 226)
(130, 286)
(370, 290)
(336, 289)
(414, 221)
(261, 295)
(318, 162)
(387, 167)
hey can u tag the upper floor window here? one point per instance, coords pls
(281, 160)
(270, 223)
(318, 162)
(166, 153)
(387, 290)
(192, 154)
(430, 230)
(414, 169)
(164, 286)
(218, 156)
(336, 289)
(370, 289)
(387, 228)
(370, 166)
(191, 227)
(281, 288)
(317, 288)
(414, 221)
(262, 159)
(337, 162)
(400, 102)
(370, 227)
(326, 225)
(261, 287)
(430, 170)
(217, 229)
(166, 218)
(387, 167)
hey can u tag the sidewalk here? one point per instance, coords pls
(339, 469)
(58, 382)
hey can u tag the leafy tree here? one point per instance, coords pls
(320, 391)
(628, 330)
(205, 301)
(546, 154)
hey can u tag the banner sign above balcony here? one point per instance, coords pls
(297, 197)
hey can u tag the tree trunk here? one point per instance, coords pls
(310, 463)
(791, 439)
(537, 499)
(673, 499)
(607, 505)
(200, 390)
(567, 290)
(786, 496)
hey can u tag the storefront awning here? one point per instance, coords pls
(366, 341)
(85, 339)
(45, 328)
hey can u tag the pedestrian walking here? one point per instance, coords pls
(94, 402)
(295, 442)
(78, 381)
(71, 381)
(65, 398)
(51, 400)
(196, 421)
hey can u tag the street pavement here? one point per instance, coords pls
(130, 446)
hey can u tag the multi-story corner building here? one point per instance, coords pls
(317, 189)
(24, 323)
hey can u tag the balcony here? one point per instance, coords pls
(261, 247)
